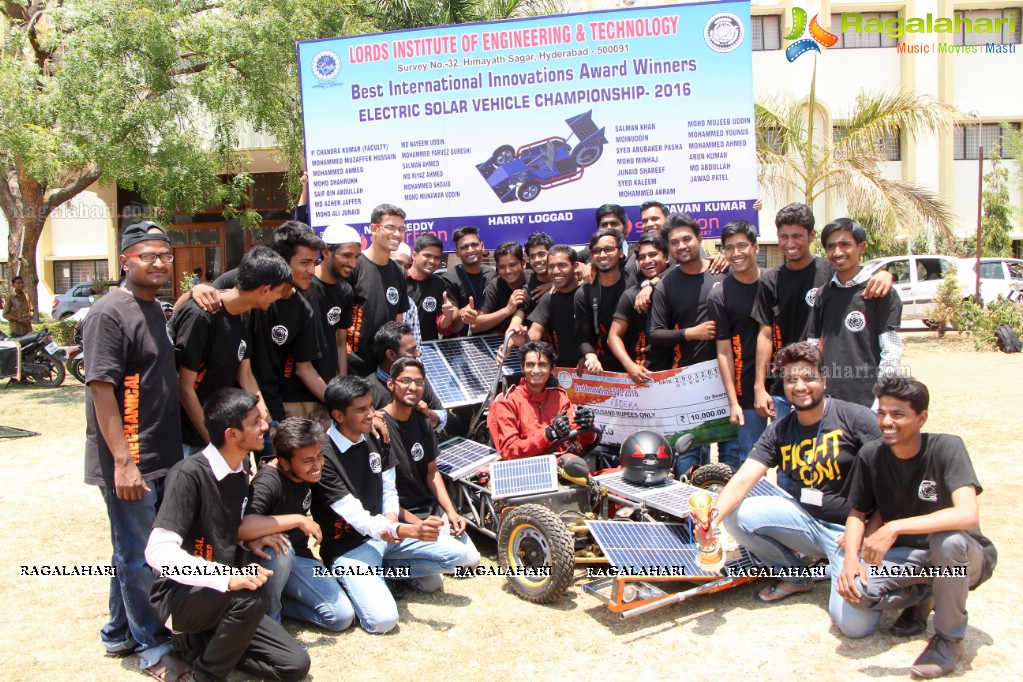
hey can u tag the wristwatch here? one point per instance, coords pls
(645, 284)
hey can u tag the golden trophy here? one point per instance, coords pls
(701, 513)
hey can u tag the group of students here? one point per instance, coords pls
(298, 325)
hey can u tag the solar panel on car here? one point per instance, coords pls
(524, 476)
(462, 371)
(459, 457)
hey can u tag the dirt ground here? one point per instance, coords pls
(476, 628)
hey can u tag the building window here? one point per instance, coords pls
(851, 39)
(269, 190)
(993, 137)
(772, 138)
(767, 32)
(67, 273)
(890, 142)
(1008, 20)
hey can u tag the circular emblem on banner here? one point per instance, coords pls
(333, 316)
(375, 463)
(417, 452)
(279, 334)
(326, 65)
(241, 350)
(811, 297)
(565, 380)
(307, 502)
(855, 321)
(429, 304)
(392, 295)
(723, 32)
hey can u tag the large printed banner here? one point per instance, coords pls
(531, 124)
(678, 401)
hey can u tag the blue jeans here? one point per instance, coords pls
(734, 452)
(694, 457)
(776, 528)
(132, 617)
(298, 593)
(781, 408)
(370, 597)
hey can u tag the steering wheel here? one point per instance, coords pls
(577, 448)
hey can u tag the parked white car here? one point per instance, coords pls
(917, 278)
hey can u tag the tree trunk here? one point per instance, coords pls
(21, 256)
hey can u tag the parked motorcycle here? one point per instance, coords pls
(42, 360)
(75, 354)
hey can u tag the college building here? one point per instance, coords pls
(969, 70)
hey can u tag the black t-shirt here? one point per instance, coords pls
(848, 326)
(414, 446)
(461, 285)
(381, 294)
(555, 312)
(428, 295)
(532, 282)
(784, 302)
(496, 297)
(680, 302)
(358, 472)
(820, 455)
(606, 299)
(127, 344)
(211, 345)
(332, 310)
(636, 340)
(205, 512)
(274, 494)
(904, 488)
(281, 336)
(729, 307)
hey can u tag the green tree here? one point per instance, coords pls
(149, 94)
(996, 222)
(848, 165)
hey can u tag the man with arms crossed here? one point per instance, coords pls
(133, 437)
(919, 492)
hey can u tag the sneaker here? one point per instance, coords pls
(938, 659)
(427, 584)
(123, 649)
(398, 590)
(913, 621)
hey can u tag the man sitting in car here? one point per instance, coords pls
(532, 416)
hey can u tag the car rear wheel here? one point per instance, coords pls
(503, 155)
(528, 191)
(587, 155)
(533, 538)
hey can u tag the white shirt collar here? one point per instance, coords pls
(219, 465)
(861, 277)
(340, 440)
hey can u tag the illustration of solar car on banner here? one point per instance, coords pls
(551, 162)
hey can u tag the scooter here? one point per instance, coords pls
(42, 360)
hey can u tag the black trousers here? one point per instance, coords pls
(222, 631)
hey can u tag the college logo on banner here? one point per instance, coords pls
(326, 65)
(723, 32)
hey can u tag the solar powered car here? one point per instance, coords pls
(553, 161)
(554, 513)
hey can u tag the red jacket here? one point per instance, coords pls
(517, 420)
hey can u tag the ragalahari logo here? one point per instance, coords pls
(818, 36)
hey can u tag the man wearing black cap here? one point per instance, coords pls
(133, 437)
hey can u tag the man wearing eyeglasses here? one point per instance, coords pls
(730, 307)
(381, 292)
(421, 489)
(133, 436)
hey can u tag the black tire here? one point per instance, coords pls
(65, 316)
(503, 154)
(528, 191)
(77, 367)
(712, 476)
(587, 155)
(532, 536)
(56, 375)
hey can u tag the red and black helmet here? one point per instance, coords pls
(645, 458)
